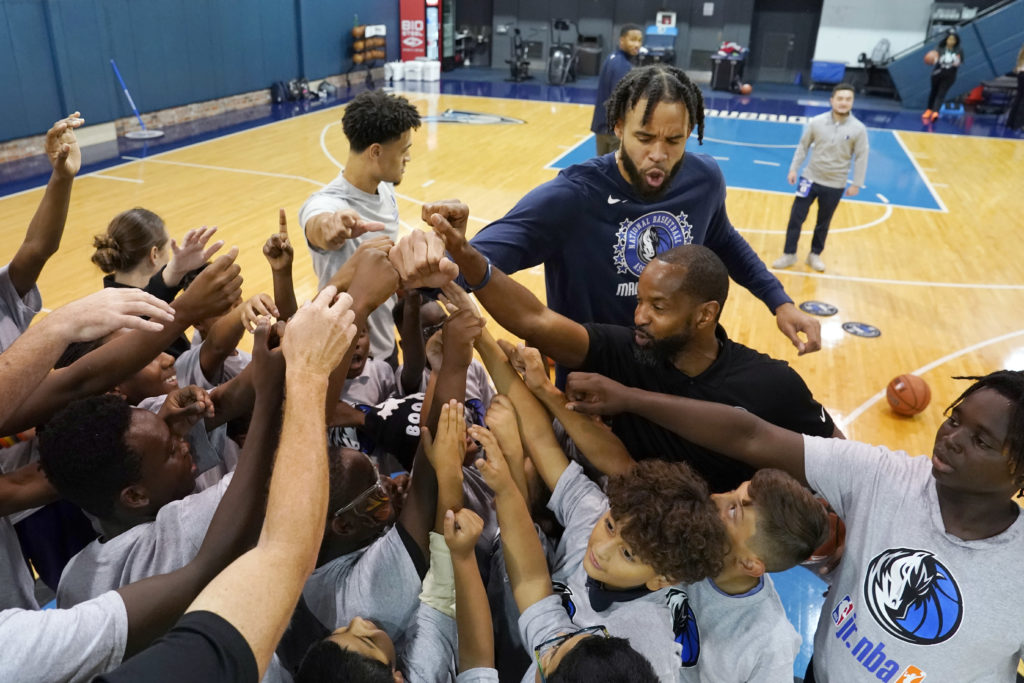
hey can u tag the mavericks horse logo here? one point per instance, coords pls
(913, 596)
(640, 241)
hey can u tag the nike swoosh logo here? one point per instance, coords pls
(613, 200)
(823, 413)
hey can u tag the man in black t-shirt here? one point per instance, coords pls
(676, 346)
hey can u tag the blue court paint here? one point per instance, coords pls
(755, 155)
(802, 595)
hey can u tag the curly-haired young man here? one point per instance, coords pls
(361, 199)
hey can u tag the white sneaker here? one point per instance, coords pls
(814, 261)
(784, 261)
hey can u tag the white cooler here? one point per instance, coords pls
(432, 71)
(394, 71)
(413, 71)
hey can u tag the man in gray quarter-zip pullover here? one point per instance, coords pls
(837, 137)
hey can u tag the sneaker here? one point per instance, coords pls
(814, 261)
(926, 116)
(784, 261)
(935, 115)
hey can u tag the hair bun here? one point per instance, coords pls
(108, 254)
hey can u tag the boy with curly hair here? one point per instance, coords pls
(654, 527)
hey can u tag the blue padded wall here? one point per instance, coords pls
(170, 52)
(990, 49)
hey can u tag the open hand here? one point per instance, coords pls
(107, 310)
(192, 253)
(494, 467)
(447, 449)
(318, 335)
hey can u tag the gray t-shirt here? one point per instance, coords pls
(16, 584)
(16, 314)
(430, 646)
(645, 620)
(381, 207)
(479, 391)
(17, 589)
(742, 638)
(375, 384)
(63, 644)
(909, 600)
(167, 543)
(188, 370)
(544, 620)
(378, 582)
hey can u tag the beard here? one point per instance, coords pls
(636, 179)
(659, 352)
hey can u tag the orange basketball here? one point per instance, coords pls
(359, 31)
(746, 89)
(931, 57)
(908, 395)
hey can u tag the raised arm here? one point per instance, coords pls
(259, 590)
(215, 290)
(155, 604)
(47, 225)
(330, 230)
(472, 612)
(524, 557)
(25, 364)
(595, 440)
(192, 254)
(512, 305)
(730, 431)
(279, 254)
(414, 357)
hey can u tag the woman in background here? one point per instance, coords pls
(951, 56)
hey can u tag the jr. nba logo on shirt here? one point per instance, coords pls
(684, 626)
(640, 240)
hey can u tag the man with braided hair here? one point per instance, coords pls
(597, 225)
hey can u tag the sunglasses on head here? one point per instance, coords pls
(370, 502)
(549, 646)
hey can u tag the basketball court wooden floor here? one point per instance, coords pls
(944, 286)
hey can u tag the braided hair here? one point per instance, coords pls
(1009, 384)
(657, 83)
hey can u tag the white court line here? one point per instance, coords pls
(767, 163)
(863, 407)
(845, 199)
(748, 144)
(720, 158)
(268, 174)
(927, 182)
(884, 217)
(113, 177)
(567, 152)
(428, 183)
(909, 283)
